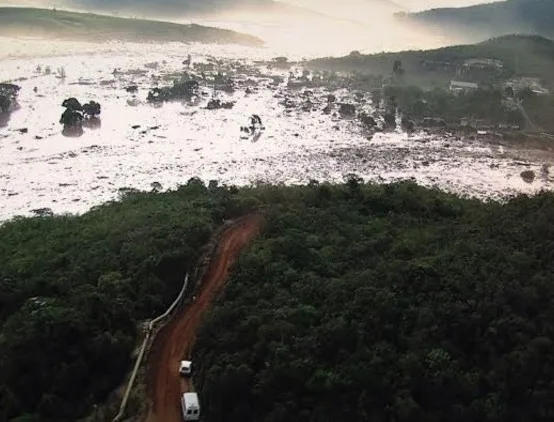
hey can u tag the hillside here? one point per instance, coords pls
(521, 55)
(29, 22)
(483, 21)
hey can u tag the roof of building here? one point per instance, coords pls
(460, 84)
(484, 62)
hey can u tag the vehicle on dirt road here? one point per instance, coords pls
(190, 407)
(185, 368)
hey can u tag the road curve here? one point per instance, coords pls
(176, 339)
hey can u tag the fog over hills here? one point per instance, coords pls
(178, 8)
(490, 20)
(324, 27)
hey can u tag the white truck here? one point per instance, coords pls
(190, 407)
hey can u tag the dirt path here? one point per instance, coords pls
(176, 339)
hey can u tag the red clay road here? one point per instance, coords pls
(176, 339)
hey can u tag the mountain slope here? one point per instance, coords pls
(491, 20)
(31, 22)
(522, 55)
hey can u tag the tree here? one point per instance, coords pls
(397, 69)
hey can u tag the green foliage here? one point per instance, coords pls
(73, 288)
(385, 303)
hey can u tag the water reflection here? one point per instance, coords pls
(4, 118)
(73, 130)
(93, 123)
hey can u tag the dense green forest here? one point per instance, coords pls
(386, 303)
(367, 302)
(44, 23)
(74, 288)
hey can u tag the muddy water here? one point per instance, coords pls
(138, 144)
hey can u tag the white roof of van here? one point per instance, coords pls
(191, 400)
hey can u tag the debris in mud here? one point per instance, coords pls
(43, 212)
(215, 104)
(528, 176)
(179, 91)
(368, 121)
(295, 143)
(347, 110)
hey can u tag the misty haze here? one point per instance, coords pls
(274, 211)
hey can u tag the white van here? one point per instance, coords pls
(190, 407)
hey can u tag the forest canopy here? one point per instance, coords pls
(386, 303)
(73, 290)
(363, 302)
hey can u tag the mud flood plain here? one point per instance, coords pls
(138, 143)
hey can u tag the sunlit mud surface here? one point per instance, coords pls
(138, 144)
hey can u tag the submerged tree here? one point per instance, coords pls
(397, 69)
(8, 97)
(75, 113)
(92, 109)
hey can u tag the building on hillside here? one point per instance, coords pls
(438, 66)
(459, 86)
(485, 64)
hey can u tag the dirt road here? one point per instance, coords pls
(176, 339)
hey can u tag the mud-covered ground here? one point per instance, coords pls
(138, 143)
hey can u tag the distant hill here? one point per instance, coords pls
(522, 55)
(30, 22)
(475, 23)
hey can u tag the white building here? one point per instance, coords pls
(463, 86)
